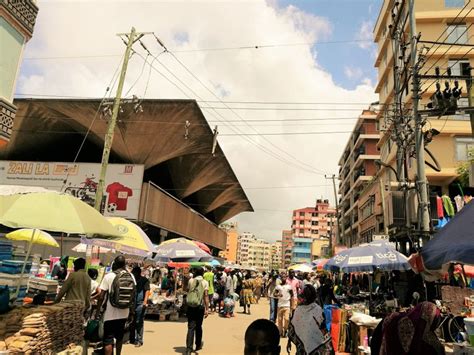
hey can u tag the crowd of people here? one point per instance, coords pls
(295, 300)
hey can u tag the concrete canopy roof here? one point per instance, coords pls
(53, 130)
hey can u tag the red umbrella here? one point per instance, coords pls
(202, 246)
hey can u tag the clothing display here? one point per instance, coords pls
(459, 202)
(448, 205)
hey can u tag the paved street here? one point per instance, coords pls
(221, 335)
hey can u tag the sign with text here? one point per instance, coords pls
(123, 182)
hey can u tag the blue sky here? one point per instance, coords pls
(348, 63)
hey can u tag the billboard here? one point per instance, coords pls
(123, 182)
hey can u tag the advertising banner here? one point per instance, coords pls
(123, 182)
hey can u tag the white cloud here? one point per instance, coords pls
(352, 72)
(365, 35)
(289, 73)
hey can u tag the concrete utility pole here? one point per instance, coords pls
(421, 181)
(109, 137)
(338, 230)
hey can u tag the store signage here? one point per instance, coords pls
(357, 260)
(122, 190)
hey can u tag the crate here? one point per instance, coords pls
(12, 280)
(14, 266)
(41, 284)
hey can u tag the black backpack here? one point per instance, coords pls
(122, 293)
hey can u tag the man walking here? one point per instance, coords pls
(141, 302)
(284, 294)
(209, 277)
(198, 308)
(77, 286)
(118, 289)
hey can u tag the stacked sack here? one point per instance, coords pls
(45, 329)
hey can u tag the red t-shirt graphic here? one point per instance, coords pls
(119, 195)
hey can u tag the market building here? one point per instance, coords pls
(356, 170)
(163, 171)
(450, 136)
(17, 22)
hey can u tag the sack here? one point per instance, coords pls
(122, 293)
(94, 330)
(195, 294)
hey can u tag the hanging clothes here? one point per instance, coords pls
(439, 207)
(448, 205)
(459, 202)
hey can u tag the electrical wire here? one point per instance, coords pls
(138, 78)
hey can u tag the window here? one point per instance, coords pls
(457, 34)
(301, 230)
(314, 223)
(464, 149)
(314, 231)
(301, 214)
(453, 3)
(458, 66)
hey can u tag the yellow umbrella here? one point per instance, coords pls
(132, 240)
(301, 268)
(34, 236)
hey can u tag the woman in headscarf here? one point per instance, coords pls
(409, 333)
(307, 326)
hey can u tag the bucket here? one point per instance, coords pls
(469, 322)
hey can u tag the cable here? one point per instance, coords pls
(264, 149)
(210, 91)
(138, 78)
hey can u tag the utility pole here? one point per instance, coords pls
(338, 230)
(421, 181)
(109, 137)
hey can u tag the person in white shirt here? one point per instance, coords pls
(284, 294)
(114, 318)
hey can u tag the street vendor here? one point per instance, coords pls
(77, 286)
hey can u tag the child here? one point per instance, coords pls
(229, 304)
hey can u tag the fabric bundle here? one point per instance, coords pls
(45, 329)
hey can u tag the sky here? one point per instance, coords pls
(281, 53)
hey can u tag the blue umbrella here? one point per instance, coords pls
(453, 243)
(215, 262)
(376, 255)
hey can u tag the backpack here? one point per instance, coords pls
(122, 293)
(195, 294)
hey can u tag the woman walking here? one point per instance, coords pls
(248, 288)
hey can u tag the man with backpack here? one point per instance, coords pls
(118, 290)
(198, 307)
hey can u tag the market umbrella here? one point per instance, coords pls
(32, 236)
(180, 249)
(54, 212)
(301, 268)
(368, 258)
(452, 243)
(215, 262)
(82, 248)
(318, 264)
(132, 239)
(202, 246)
(188, 265)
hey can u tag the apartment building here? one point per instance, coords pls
(232, 233)
(435, 20)
(253, 252)
(356, 169)
(275, 255)
(286, 248)
(311, 224)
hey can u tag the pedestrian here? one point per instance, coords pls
(272, 284)
(296, 288)
(118, 289)
(229, 282)
(284, 294)
(77, 286)
(141, 303)
(262, 338)
(198, 309)
(229, 305)
(209, 277)
(248, 287)
(93, 274)
(258, 287)
(307, 326)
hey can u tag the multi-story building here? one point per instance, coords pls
(312, 224)
(17, 21)
(232, 233)
(439, 21)
(253, 252)
(275, 255)
(357, 168)
(286, 247)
